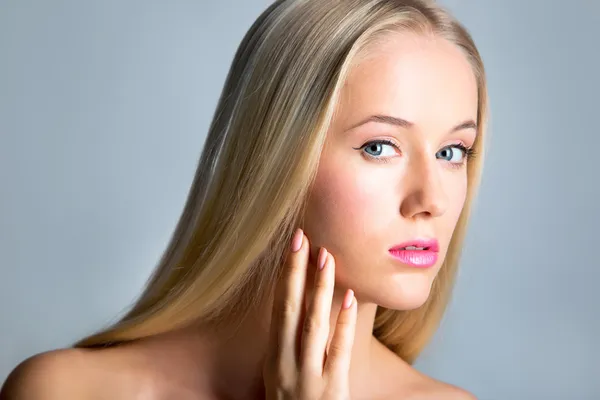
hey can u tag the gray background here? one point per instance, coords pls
(103, 110)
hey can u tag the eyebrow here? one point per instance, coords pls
(395, 121)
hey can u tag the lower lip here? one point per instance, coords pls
(416, 258)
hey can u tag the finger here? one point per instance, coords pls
(316, 324)
(288, 304)
(337, 364)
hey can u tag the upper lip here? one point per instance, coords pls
(428, 244)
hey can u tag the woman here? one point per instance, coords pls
(357, 121)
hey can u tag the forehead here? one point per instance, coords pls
(418, 78)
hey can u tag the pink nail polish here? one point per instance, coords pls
(297, 240)
(348, 299)
(322, 258)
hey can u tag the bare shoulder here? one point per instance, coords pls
(445, 391)
(77, 374)
(431, 389)
(402, 380)
(50, 375)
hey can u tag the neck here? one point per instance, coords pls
(237, 355)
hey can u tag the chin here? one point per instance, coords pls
(399, 293)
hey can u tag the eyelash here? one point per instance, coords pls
(468, 152)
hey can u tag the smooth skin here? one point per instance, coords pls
(359, 207)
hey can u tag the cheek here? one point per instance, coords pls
(347, 206)
(459, 197)
(457, 194)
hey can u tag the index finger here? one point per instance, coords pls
(288, 302)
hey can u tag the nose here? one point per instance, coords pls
(424, 194)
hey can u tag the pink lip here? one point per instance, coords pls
(417, 258)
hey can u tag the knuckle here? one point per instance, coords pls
(285, 382)
(312, 326)
(336, 351)
(283, 378)
(345, 324)
(309, 392)
(294, 264)
(309, 378)
(289, 308)
(321, 285)
(336, 391)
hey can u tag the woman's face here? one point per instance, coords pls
(370, 196)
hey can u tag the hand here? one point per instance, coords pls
(298, 365)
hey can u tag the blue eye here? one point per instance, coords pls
(380, 148)
(454, 154)
(384, 150)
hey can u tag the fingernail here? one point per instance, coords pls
(322, 258)
(348, 299)
(297, 240)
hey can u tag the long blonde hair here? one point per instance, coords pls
(260, 159)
